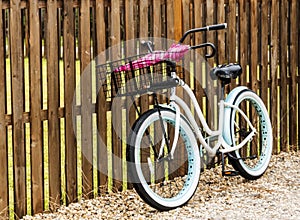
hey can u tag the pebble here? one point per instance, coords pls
(276, 195)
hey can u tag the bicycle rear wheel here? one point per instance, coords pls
(253, 159)
(161, 181)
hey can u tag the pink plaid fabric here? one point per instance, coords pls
(175, 52)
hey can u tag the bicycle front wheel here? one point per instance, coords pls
(162, 180)
(253, 159)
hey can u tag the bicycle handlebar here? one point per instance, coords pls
(207, 28)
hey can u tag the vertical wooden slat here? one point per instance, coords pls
(175, 19)
(182, 16)
(221, 56)
(93, 32)
(232, 31)
(210, 105)
(254, 54)
(3, 133)
(254, 45)
(264, 51)
(173, 14)
(86, 99)
(17, 71)
(283, 76)
(243, 40)
(116, 113)
(243, 46)
(185, 19)
(143, 27)
(36, 149)
(274, 70)
(144, 101)
(143, 6)
(175, 26)
(198, 15)
(130, 48)
(101, 116)
(157, 32)
(298, 64)
(157, 18)
(294, 47)
(52, 45)
(232, 35)
(221, 34)
(185, 16)
(69, 70)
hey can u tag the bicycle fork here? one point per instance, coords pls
(165, 138)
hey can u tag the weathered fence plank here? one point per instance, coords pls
(264, 51)
(198, 16)
(143, 15)
(186, 25)
(86, 99)
(254, 45)
(157, 18)
(232, 45)
(101, 116)
(274, 71)
(130, 48)
(293, 61)
(210, 37)
(174, 19)
(221, 35)
(69, 70)
(173, 23)
(17, 73)
(283, 73)
(36, 149)
(116, 112)
(243, 40)
(52, 42)
(3, 132)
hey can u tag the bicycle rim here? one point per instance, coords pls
(252, 159)
(166, 182)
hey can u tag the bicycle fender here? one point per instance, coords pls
(227, 112)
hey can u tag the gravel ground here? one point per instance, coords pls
(276, 195)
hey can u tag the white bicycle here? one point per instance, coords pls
(164, 147)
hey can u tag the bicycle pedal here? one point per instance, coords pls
(227, 172)
(230, 173)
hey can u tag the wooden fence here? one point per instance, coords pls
(46, 45)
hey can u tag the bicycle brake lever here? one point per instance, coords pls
(213, 47)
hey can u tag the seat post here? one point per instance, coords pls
(222, 92)
(223, 83)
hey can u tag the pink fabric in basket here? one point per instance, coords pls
(175, 53)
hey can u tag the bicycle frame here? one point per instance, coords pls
(176, 101)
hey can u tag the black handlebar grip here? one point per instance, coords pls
(217, 27)
(207, 28)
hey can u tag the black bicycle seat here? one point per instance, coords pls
(226, 72)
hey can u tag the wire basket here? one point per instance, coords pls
(135, 76)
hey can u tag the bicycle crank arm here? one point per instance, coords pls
(227, 172)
